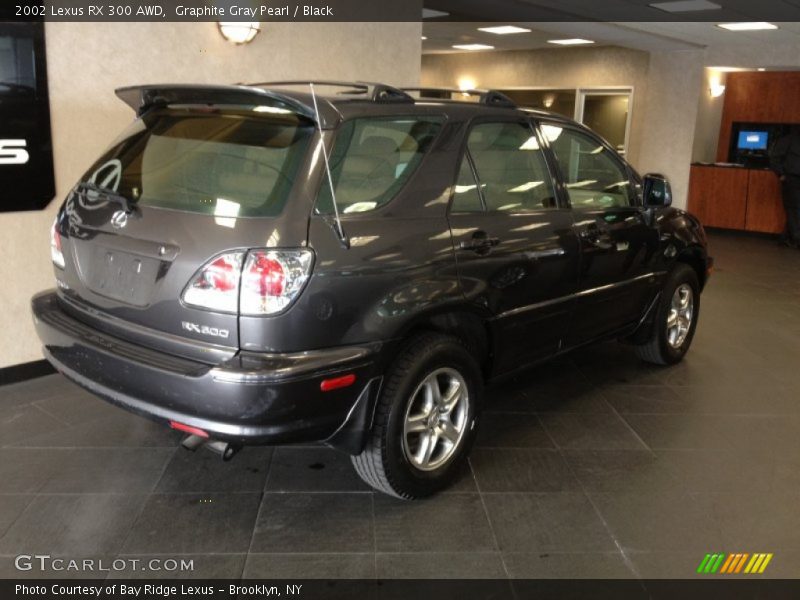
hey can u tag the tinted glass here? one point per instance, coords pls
(593, 176)
(373, 158)
(229, 164)
(511, 168)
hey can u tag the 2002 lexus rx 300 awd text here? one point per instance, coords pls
(262, 265)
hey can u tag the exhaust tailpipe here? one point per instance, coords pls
(225, 450)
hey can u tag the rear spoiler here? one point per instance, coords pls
(142, 98)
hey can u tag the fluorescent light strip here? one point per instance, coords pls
(504, 29)
(571, 42)
(756, 26)
(473, 47)
(680, 6)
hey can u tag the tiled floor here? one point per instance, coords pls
(594, 466)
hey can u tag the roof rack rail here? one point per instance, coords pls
(376, 92)
(488, 97)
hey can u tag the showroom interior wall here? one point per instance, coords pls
(86, 61)
(556, 68)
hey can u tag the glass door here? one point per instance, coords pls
(608, 113)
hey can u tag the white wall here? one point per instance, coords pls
(668, 125)
(86, 61)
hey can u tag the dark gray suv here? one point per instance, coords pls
(260, 265)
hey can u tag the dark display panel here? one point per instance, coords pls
(27, 180)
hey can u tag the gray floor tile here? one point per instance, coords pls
(11, 507)
(512, 430)
(25, 470)
(300, 522)
(547, 522)
(591, 432)
(111, 470)
(19, 423)
(659, 521)
(566, 565)
(620, 470)
(680, 432)
(194, 524)
(320, 565)
(312, 470)
(74, 525)
(647, 399)
(444, 523)
(521, 470)
(205, 471)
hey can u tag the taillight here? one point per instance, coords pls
(55, 246)
(216, 285)
(272, 279)
(268, 283)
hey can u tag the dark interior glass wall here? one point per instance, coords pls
(27, 180)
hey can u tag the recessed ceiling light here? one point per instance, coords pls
(570, 42)
(504, 29)
(685, 6)
(473, 47)
(756, 26)
(761, 69)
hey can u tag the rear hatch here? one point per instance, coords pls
(173, 204)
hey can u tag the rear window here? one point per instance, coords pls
(372, 158)
(231, 163)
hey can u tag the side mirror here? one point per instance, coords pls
(656, 190)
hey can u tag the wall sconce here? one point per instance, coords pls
(239, 32)
(716, 90)
(548, 100)
(466, 84)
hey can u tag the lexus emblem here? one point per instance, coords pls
(119, 219)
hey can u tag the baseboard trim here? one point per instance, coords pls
(25, 371)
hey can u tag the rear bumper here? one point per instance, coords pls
(250, 399)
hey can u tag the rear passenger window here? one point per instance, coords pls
(512, 172)
(372, 159)
(466, 197)
(593, 176)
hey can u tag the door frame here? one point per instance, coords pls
(580, 105)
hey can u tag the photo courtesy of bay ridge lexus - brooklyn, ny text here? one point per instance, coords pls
(475, 299)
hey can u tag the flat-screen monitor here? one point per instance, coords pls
(753, 140)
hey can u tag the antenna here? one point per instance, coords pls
(339, 230)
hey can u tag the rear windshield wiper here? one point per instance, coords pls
(105, 194)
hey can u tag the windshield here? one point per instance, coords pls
(230, 163)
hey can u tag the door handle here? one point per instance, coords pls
(480, 242)
(598, 237)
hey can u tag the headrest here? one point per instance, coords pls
(377, 145)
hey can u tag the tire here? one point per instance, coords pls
(667, 346)
(393, 460)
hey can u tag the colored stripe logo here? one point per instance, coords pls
(732, 564)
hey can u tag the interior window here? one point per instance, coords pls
(511, 168)
(372, 158)
(593, 176)
(466, 197)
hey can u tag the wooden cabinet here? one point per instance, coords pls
(736, 198)
(718, 196)
(764, 203)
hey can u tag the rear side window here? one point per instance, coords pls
(372, 158)
(510, 167)
(231, 163)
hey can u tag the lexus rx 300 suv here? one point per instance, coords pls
(264, 265)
